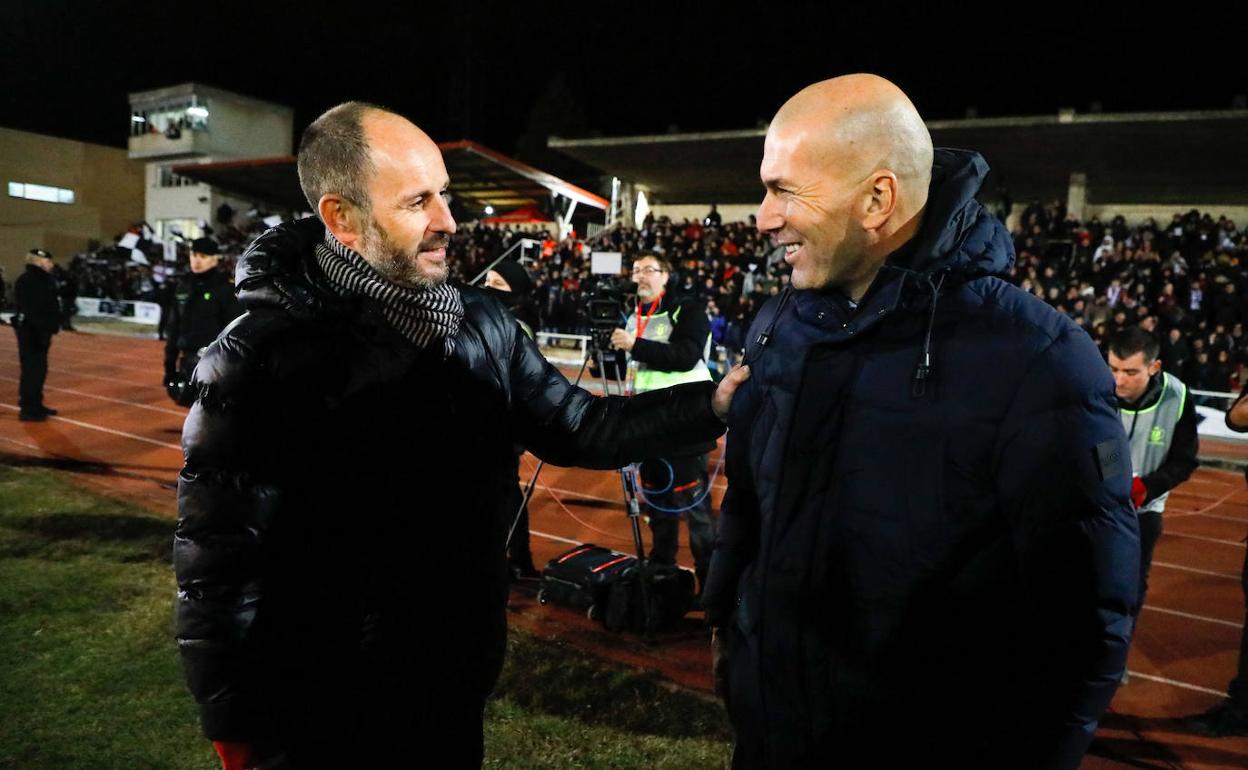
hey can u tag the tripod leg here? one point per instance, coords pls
(532, 485)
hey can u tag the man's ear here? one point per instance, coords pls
(342, 218)
(880, 200)
(1154, 367)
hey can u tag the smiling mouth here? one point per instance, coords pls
(790, 251)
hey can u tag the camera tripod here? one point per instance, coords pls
(628, 482)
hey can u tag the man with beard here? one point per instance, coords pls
(203, 304)
(349, 458)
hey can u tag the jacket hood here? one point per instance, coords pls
(958, 234)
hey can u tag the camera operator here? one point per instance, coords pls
(514, 288)
(203, 305)
(667, 339)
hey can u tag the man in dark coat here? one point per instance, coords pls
(203, 304)
(349, 459)
(36, 318)
(927, 555)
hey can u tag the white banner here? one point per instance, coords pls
(124, 310)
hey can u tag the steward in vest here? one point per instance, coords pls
(1160, 422)
(667, 339)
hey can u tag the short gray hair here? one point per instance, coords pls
(334, 155)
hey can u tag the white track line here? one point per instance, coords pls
(1167, 565)
(1236, 519)
(1176, 683)
(102, 429)
(555, 538)
(87, 351)
(135, 404)
(132, 383)
(1214, 504)
(1190, 616)
(1232, 543)
(113, 365)
(114, 352)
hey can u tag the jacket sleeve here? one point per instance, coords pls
(1181, 460)
(1063, 472)
(684, 348)
(230, 308)
(564, 425)
(225, 506)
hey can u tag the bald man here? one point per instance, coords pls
(344, 503)
(927, 555)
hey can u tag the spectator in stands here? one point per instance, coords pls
(712, 218)
(1175, 353)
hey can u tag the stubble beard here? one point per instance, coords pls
(395, 266)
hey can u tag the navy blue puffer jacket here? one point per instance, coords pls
(927, 556)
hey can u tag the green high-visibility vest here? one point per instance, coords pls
(1151, 432)
(659, 329)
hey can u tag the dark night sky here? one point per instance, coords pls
(477, 70)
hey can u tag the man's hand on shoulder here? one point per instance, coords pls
(721, 402)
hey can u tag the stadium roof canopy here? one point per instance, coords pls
(1151, 158)
(480, 177)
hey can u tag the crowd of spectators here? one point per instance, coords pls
(1183, 280)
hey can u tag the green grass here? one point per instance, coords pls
(89, 676)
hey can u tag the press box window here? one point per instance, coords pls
(40, 192)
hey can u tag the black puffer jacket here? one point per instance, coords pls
(35, 295)
(342, 508)
(203, 304)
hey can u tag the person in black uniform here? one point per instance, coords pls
(204, 304)
(38, 317)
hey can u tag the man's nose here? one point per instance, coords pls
(443, 221)
(769, 217)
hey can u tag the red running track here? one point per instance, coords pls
(118, 433)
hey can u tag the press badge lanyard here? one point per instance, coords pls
(642, 323)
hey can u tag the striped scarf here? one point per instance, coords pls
(423, 316)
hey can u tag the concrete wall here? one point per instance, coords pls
(1163, 213)
(727, 212)
(108, 196)
(238, 129)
